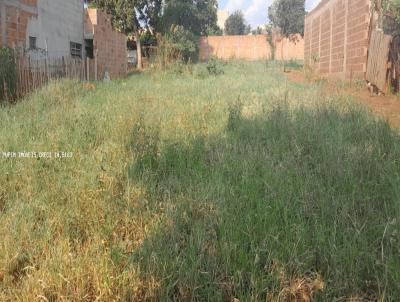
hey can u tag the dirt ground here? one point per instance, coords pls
(386, 106)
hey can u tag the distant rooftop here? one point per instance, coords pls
(222, 16)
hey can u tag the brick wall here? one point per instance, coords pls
(251, 47)
(336, 38)
(109, 45)
(14, 17)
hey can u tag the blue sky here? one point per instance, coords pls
(255, 11)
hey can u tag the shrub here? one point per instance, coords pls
(176, 47)
(215, 67)
(200, 71)
(8, 74)
(181, 67)
(184, 42)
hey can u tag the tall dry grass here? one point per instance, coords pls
(184, 188)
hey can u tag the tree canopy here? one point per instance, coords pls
(288, 16)
(236, 24)
(199, 17)
(127, 15)
(179, 21)
(391, 16)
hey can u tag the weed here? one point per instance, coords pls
(3, 201)
(214, 67)
(18, 267)
(8, 74)
(178, 189)
(235, 114)
(201, 72)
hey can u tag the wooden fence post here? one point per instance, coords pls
(95, 65)
(46, 69)
(30, 80)
(87, 70)
(64, 71)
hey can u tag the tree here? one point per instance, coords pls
(257, 31)
(390, 19)
(183, 21)
(184, 42)
(197, 16)
(128, 15)
(288, 16)
(247, 30)
(235, 24)
(214, 31)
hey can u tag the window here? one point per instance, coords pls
(76, 50)
(89, 48)
(32, 42)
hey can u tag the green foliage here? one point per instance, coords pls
(215, 66)
(391, 21)
(274, 197)
(178, 67)
(145, 141)
(315, 58)
(288, 16)
(8, 74)
(235, 115)
(176, 48)
(129, 15)
(198, 17)
(214, 31)
(236, 24)
(184, 42)
(270, 40)
(166, 54)
(257, 31)
(178, 192)
(248, 29)
(122, 12)
(147, 37)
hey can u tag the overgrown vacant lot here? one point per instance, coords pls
(195, 187)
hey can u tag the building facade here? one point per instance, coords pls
(222, 16)
(107, 46)
(52, 28)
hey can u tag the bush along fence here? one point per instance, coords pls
(8, 75)
(21, 75)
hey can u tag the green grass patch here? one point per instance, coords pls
(188, 188)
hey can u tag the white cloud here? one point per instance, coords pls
(234, 5)
(256, 13)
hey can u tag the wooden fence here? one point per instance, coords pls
(33, 74)
(30, 74)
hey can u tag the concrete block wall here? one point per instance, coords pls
(109, 45)
(289, 49)
(251, 47)
(336, 38)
